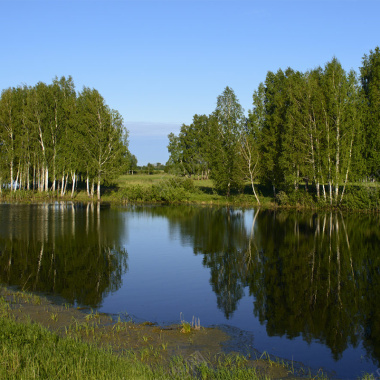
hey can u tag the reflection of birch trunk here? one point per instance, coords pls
(98, 218)
(349, 249)
(39, 262)
(338, 258)
(330, 250)
(87, 217)
(46, 223)
(73, 219)
(249, 251)
(316, 234)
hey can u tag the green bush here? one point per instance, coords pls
(170, 190)
(361, 198)
(295, 198)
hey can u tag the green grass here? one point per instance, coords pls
(28, 351)
(141, 179)
(161, 187)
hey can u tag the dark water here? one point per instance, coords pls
(306, 284)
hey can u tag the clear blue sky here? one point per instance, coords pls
(160, 62)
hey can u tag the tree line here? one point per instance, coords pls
(319, 128)
(52, 136)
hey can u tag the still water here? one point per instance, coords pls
(307, 285)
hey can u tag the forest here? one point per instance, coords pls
(312, 134)
(52, 136)
(310, 138)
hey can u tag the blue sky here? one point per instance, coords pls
(160, 62)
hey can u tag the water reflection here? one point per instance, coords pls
(314, 275)
(309, 275)
(318, 277)
(63, 248)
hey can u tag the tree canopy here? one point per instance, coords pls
(51, 135)
(318, 128)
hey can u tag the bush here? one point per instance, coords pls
(361, 198)
(169, 190)
(295, 198)
(282, 199)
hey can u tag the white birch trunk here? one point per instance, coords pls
(73, 176)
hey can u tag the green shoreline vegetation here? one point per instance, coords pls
(163, 188)
(310, 140)
(40, 339)
(44, 340)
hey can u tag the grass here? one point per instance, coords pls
(93, 346)
(201, 192)
(187, 327)
(29, 351)
(141, 179)
(161, 187)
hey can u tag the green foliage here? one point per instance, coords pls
(370, 80)
(299, 198)
(49, 136)
(169, 190)
(318, 127)
(226, 130)
(364, 197)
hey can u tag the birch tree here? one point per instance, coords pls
(226, 128)
(101, 136)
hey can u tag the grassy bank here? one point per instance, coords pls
(167, 189)
(39, 339)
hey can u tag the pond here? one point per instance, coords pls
(305, 284)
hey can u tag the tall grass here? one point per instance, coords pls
(29, 351)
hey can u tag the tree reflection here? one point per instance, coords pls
(314, 275)
(69, 251)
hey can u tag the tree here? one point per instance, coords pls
(102, 137)
(174, 163)
(273, 128)
(8, 132)
(226, 127)
(370, 81)
(250, 139)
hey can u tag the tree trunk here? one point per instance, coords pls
(46, 178)
(348, 168)
(73, 176)
(11, 168)
(63, 185)
(98, 189)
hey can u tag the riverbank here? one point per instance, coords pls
(167, 189)
(47, 340)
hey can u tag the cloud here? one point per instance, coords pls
(151, 129)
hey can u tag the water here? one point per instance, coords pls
(307, 285)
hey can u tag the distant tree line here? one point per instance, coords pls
(320, 128)
(51, 136)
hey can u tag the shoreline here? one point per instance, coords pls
(235, 201)
(152, 344)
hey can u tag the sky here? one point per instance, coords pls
(160, 62)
